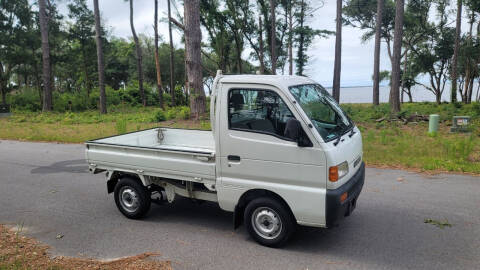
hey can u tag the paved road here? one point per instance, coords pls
(47, 188)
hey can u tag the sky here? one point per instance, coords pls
(357, 57)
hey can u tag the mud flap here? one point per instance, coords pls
(237, 217)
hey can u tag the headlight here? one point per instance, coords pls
(337, 172)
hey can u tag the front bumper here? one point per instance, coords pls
(335, 209)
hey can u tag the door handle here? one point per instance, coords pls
(233, 158)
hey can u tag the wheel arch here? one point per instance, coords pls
(114, 176)
(252, 194)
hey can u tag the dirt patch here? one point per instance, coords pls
(20, 252)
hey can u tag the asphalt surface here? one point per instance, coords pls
(47, 189)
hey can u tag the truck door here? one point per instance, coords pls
(256, 154)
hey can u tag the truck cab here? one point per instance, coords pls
(281, 153)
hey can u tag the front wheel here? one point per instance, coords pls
(132, 198)
(269, 222)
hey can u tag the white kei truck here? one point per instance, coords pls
(281, 152)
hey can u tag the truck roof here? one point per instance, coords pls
(280, 81)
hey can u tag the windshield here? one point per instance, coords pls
(324, 112)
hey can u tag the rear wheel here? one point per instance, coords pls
(269, 222)
(132, 198)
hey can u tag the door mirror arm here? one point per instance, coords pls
(295, 132)
(303, 140)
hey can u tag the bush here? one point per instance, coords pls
(159, 116)
(185, 113)
(171, 114)
(476, 108)
(26, 100)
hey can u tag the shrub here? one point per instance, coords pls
(476, 108)
(185, 113)
(171, 114)
(25, 100)
(159, 116)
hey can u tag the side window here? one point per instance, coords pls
(258, 111)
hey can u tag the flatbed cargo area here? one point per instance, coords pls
(182, 140)
(180, 154)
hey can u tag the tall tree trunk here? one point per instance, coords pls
(139, 57)
(172, 71)
(4, 93)
(47, 72)
(193, 39)
(290, 39)
(301, 61)
(4, 96)
(477, 98)
(37, 76)
(85, 71)
(3, 84)
(100, 60)
(475, 69)
(409, 93)
(185, 66)
(376, 61)
(338, 54)
(239, 53)
(466, 85)
(453, 96)
(397, 51)
(404, 74)
(157, 61)
(260, 44)
(470, 90)
(273, 34)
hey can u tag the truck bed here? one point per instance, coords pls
(182, 154)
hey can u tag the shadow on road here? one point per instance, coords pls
(199, 214)
(70, 166)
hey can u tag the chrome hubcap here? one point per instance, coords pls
(129, 199)
(266, 223)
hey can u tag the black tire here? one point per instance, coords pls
(129, 187)
(270, 211)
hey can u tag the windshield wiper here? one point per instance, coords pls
(352, 132)
(340, 133)
(337, 141)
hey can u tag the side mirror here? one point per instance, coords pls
(294, 131)
(303, 140)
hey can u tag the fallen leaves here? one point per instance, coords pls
(25, 253)
(438, 223)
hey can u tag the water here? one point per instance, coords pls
(363, 94)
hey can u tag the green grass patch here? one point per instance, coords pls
(410, 146)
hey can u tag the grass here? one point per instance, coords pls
(83, 126)
(409, 146)
(390, 144)
(20, 252)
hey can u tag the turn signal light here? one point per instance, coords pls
(337, 172)
(343, 197)
(333, 174)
